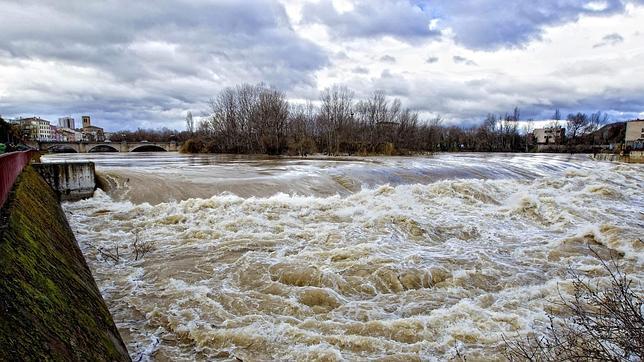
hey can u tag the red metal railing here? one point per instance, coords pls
(11, 164)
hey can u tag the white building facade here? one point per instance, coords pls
(37, 129)
(549, 135)
(635, 134)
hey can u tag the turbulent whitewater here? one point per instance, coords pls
(392, 259)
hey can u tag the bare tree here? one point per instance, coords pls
(595, 121)
(271, 120)
(575, 124)
(509, 130)
(190, 123)
(336, 113)
(528, 128)
(301, 129)
(433, 134)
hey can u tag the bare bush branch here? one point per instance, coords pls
(141, 247)
(109, 255)
(138, 249)
(603, 323)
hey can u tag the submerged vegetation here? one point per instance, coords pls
(136, 250)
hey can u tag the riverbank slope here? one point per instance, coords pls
(50, 305)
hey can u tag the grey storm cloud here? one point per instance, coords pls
(99, 32)
(462, 100)
(397, 18)
(431, 60)
(610, 39)
(386, 74)
(157, 47)
(492, 24)
(484, 24)
(360, 70)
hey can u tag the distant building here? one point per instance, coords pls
(549, 135)
(91, 133)
(67, 122)
(635, 134)
(55, 134)
(69, 135)
(36, 129)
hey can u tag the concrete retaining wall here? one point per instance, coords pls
(72, 181)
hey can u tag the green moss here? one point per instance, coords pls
(50, 306)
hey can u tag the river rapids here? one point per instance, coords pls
(380, 259)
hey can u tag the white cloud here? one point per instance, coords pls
(596, 6)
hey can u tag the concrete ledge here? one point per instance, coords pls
(72, 181)
(633, 157)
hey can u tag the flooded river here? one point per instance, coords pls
(387, 259)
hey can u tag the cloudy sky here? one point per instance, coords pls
(136, 64)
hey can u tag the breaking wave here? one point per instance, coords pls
(389, 272)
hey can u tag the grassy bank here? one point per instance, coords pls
(51, 308)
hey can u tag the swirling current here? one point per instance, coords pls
(381, 259)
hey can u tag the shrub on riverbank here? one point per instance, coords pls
(603, 323)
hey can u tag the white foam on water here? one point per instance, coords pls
(407, 271)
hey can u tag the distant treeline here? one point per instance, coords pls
(259, 119)
(152, 135)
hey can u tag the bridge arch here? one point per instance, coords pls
(61, 149)
(148, 148)
(103, 148)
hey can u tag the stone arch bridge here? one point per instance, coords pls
(85, 147)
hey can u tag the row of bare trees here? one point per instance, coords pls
(580, 125)
(248, 119)
(152, 135)
(259, 119)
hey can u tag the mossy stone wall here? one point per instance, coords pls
(50, 307)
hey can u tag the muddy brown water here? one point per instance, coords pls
(348, 259)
